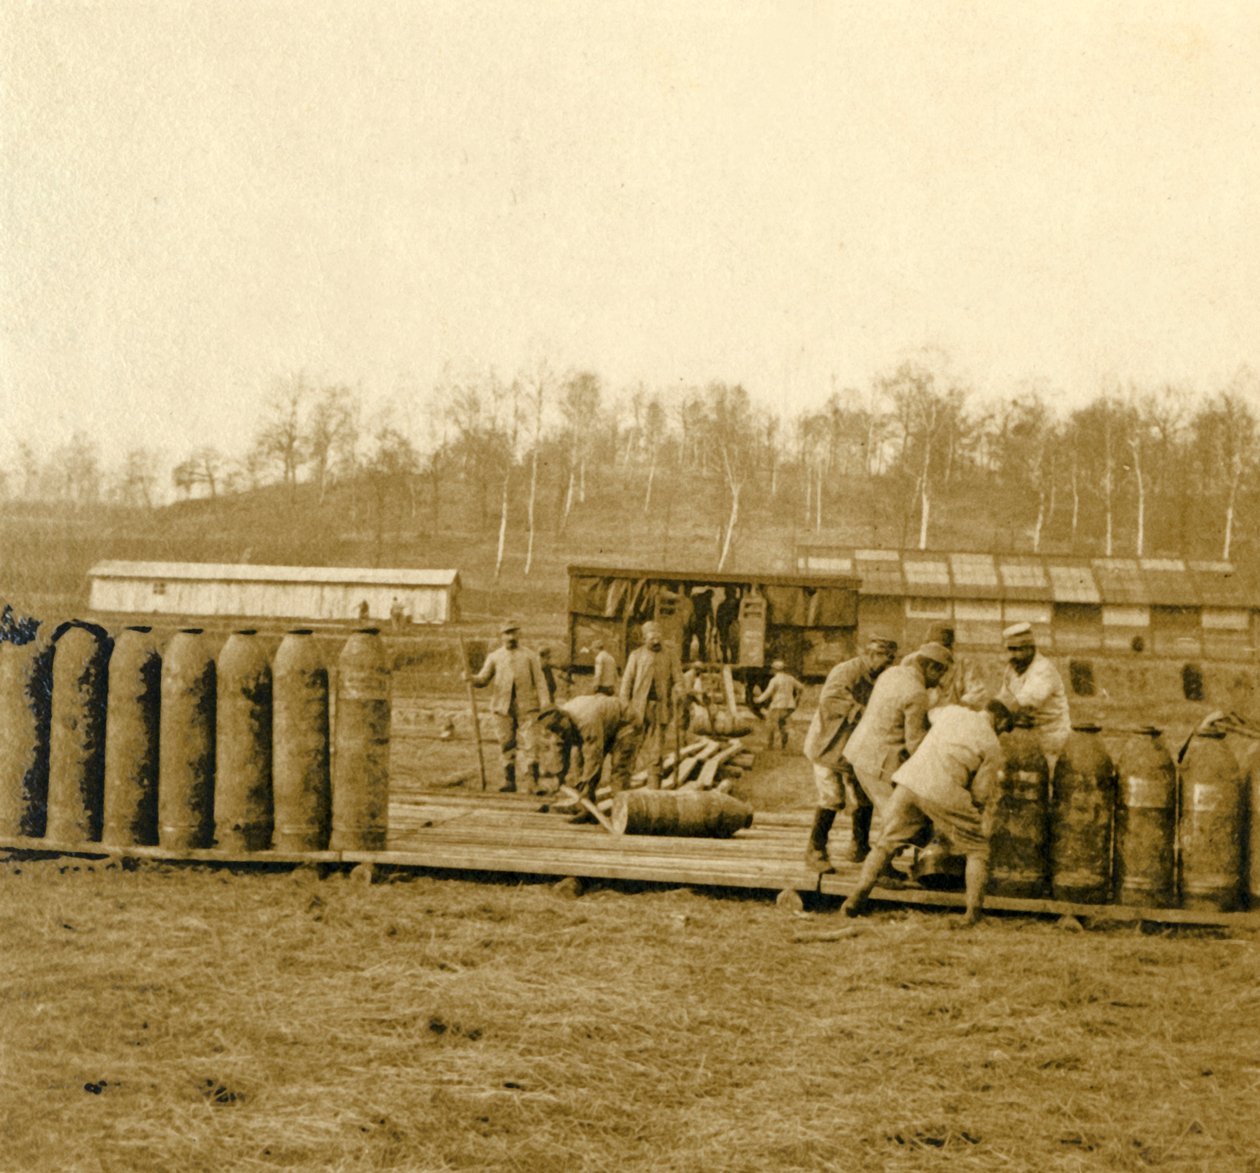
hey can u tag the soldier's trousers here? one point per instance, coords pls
(517, 738)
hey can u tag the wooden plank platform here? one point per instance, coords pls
(484, 832)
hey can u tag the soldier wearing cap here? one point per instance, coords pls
(651, 685)
(894, 724)
(949, 783)
(1032, 687)
(520, 691)
(963, 683)
(780, 697)
(841, 702)
(588, 729)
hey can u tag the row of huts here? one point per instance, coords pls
(1167, 607)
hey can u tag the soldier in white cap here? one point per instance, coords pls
(894, 724)
(1032, 687)
(651, 685)
(520, 691)
(780, 696)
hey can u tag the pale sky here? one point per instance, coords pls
(201, 198)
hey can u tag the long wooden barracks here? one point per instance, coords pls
(1169, 607)
(242, 590)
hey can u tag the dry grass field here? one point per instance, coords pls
(185, 1018)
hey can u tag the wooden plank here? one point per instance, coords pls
(838, 885)
(192, 855)
(548, 849)
(605, 847)
(607, 866)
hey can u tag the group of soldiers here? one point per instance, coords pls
(918, 742)
(623, 717)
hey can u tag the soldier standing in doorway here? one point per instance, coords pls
(651, 686)
(728, 625)
(605, 669)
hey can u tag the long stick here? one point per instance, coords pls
(472, 704)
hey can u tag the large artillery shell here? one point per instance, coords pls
(360, 772)
(186, 757)
(1146, 822)
(25, 719)
(76, 748)
(299, 755)
(704, 813)
(1020, 814)
(1082, 805)
(1213, 824)
(131, 740)
(242, 782)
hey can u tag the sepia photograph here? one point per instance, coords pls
(661, 586)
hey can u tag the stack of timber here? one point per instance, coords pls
(709, 763)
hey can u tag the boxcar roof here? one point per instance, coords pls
(246, 572)
(707, 576)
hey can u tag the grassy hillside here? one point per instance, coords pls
(46, 551)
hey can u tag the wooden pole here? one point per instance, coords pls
(472, 705)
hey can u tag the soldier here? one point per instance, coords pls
(947, 781)
(592, 727)
(699, 622)
(780, 696)
(894, 724)
(520, 691)
(1031, 684)
(651, 685)
(841, 702)
(727, 622)
(605, 669)
(555, 677)
(962, 684)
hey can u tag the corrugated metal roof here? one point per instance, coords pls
(1073, 584)
(1220, 585)
(245, 572)
(880, 572)
(1118, 582)
(1024, 578)
(1170, 582)
(927, 576)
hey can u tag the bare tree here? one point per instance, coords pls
(1226, 435)
(929, 418)
(137, 479)
(204, 466)
(506, 401)
(1024, 442)
(732, 434)
(390, 467)
(281, 437)
(331, 433)
(579, 406)
(537, 387)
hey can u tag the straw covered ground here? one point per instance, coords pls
(186, 1018)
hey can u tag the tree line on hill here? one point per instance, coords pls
(1132, 472)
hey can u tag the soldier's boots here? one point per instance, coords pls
(509, 780)
(860, 847)
(535, 786)
(816, 853)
